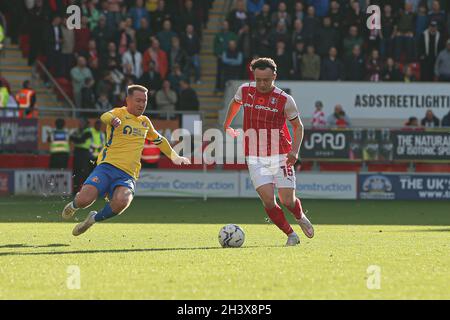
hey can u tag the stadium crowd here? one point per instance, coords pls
(155, 43)
(329, 40)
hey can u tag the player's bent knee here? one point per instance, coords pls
(86, 196)
(121, 201)
(290, 203)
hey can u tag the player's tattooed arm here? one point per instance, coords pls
(298, 131)
(233, 110)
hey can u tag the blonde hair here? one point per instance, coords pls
(135, 87)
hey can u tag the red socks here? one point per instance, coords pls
(277, 216)
(297, 210)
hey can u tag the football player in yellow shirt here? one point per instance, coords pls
(119, 162)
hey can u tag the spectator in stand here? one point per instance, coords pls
(311, 25)
(374, 67)
(105, 85)
(79, 74)
(117, 78)
(67, 48)
(254, 7)
(238, 17)
(188, 98)
(327, 37)
(446, 120)
(188, 16)
(152, 80)
(297, 57)
(177, 54)
(103, 104)
(165, 36)
(321, 7)
(430, 44)
(442, 65)
(159, 58)
(102, 34)
(388, 31)
(128, 75)
(91, 13)
(297, 34)
(282, 16)
(430, 120)
(280, 33)
(319, 120)
(353, 39)
(166, 98)
(36, 27)
(299, 11)
(390, 71)
(54, 39)
(408, 74)
(191, 42)
(175, 78)
(438, 15)
(4, 83)
(404, 39)
(221, 41)
(355, 17)
(310, 64)
(412, 124)
(263, 19)
(338, 118)
(143, 35)
(133, 58)
(336, 15)
(232, 60)
(332, 68)
(82, 37)
(137, 13)
(88, 97)
(422, 21)
(122, 38)
(245, 44)
(354, 65)
(283, 60)
(110, 54)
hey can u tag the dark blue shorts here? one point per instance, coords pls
(106, 178)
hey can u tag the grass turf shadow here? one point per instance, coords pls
(127, 250)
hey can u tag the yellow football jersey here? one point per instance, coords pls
(125, 143)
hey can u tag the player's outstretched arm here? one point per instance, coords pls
(166, 148)
(233, 109)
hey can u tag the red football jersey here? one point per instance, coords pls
(265, 115)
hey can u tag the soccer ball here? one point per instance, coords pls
(231, 236)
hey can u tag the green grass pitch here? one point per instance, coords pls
(165, 248)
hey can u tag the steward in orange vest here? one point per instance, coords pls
(26, 98)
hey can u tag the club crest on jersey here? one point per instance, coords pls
(144, 124)
(273, 100)
(96, 179)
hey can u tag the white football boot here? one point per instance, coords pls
(292, 240)
(306, 226)
(68, 211)
(82, 227)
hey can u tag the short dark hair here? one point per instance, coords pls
(135, 87)
(60, 123)
(263, 63)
